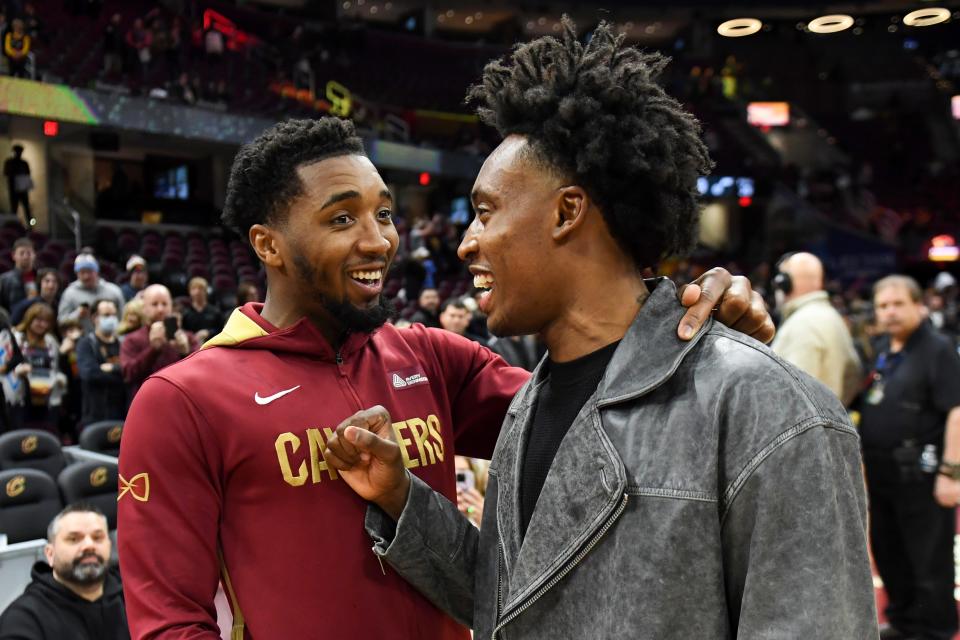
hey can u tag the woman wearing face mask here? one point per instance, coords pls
(34, 389)
(98, 359)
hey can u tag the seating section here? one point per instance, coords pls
(102, 437)
(29, 501)
(31, 449)
(37, 482)
(94, 483)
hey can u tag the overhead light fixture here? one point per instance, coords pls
(926, 17)
(739, 27)
(830, 24)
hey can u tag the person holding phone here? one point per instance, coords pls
(471, 484)
(160, 342)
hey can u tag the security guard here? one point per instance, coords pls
(910, 429)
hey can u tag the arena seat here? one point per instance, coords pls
(102, 437)
(28, 503)
(31, 449)
(92, 482)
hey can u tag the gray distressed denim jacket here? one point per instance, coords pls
(706, 490)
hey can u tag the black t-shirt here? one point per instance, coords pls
(915, 391)
(567, 387)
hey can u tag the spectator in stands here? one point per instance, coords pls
(139, 39)
(201, 317)
(70, 408)
(113, 43)
(519, 351)
(16, 47)
(184, 90)
(137, 280)
(132, 317)
(19, 184)
(35, 395)
(152, 347)
(427, 306)
(455, 317)
(471, 485)
(104, 392)
(74, 593)
(248, 292)
(79, 296)
(49, 293)
(20, 283)
(813, 336)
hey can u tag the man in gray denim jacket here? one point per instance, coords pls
(702, 489)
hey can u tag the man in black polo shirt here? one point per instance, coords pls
(911, 439)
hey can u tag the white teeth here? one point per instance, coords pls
(367, 275)
(483, 281)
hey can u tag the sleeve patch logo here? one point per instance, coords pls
(139, 490)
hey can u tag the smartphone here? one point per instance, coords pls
(171, 325)
(466, 480)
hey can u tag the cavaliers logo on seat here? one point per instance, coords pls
(138, 486)
(28, 445)
(98, 477)
(16, 485)
(113, 436)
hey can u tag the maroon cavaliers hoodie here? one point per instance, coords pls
(223, 478)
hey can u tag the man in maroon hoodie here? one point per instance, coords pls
(223, 451)
(149, 348)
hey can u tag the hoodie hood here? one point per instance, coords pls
(246, 329)
(42, 574)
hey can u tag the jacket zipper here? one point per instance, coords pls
(563, 572)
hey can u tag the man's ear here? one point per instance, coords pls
(48, 553)
(266, 243)
(570, 212)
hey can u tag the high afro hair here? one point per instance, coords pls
(594, 115)
(264, 179)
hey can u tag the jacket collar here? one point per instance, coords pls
(650, 352)
(807, 298)
(587, 479)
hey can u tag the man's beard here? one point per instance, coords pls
(350, 317)
(81, 573)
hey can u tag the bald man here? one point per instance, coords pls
(149, 348)
(812, 335)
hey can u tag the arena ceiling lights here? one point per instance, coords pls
(830, 24)
(926, 17)
(739, 27)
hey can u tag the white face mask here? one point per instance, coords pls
(108, 324)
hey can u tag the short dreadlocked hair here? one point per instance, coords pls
(594, 115)
(264, 180)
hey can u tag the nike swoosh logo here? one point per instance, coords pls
(276, 396)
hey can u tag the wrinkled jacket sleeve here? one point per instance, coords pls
(794, 540)
(432, 546)
(168, 512)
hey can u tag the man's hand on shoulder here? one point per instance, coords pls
(736, 304)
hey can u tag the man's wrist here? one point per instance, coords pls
(394, 502)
